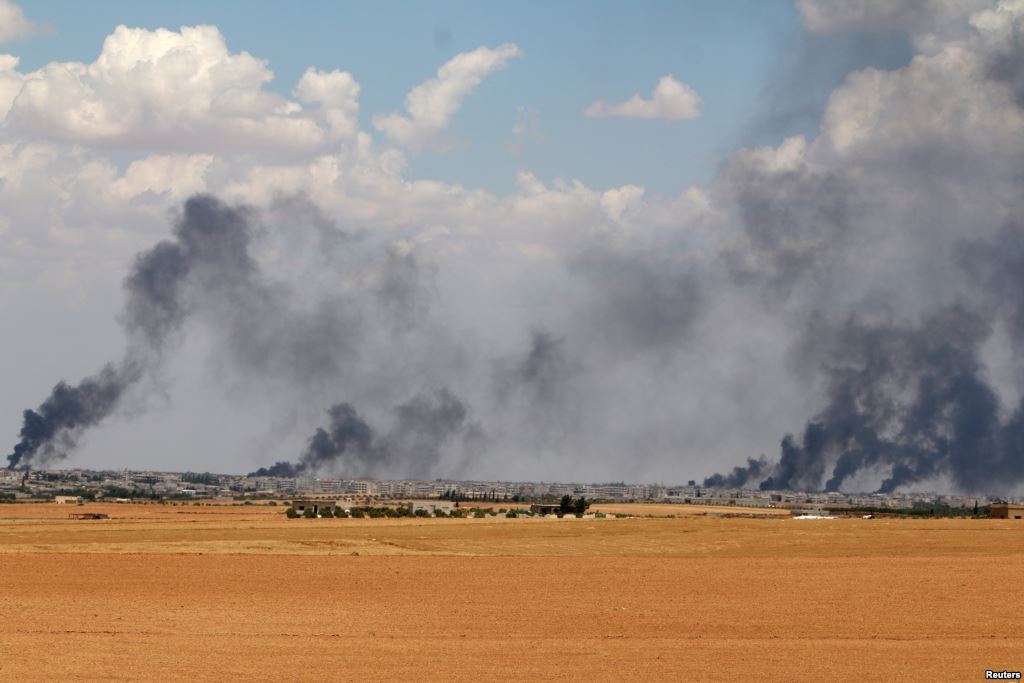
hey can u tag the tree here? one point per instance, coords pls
(580, 505)
(567, 505)
(309, 512)
(290, 513)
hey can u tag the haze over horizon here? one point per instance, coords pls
(784, 243)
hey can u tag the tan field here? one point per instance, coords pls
(227, 593)
(674, 510)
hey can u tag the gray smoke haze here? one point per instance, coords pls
(849, 304)
(211, 241)
(907, 402)
(349, 447)
(207, 271)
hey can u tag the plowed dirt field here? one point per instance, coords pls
(204, 593)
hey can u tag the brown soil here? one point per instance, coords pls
(231, 593)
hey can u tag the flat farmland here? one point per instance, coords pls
(227, 593)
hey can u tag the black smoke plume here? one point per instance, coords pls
(207, 234)
(740, 476)
(349, 446)
(906, 403)
(55, 427)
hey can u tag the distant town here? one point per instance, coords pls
(125, 485)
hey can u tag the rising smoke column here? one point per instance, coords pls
(207, 270)
(349, 446)
(210, 240)
(347, 440)
(55, 427)
(906, 402)
(878, 243)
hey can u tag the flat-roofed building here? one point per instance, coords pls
(433, 506)
(1007, 511)
(318, 505)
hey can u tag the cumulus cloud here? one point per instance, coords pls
(337, 92)
(431, 105)
(14, 25)
(671, 100)
(177, 90)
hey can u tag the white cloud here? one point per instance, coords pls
(431, 105)
(175, 90)
(337, 93)
(618, 200)
(671, 100)
(14, 25)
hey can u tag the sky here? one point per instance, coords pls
(579, 241)
(571, 55)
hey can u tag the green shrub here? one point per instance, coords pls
(357, 513)
(421, 513)
(290, 513)
(375, 513)
(458, 513)
(599, 515)
(309, 513)
(327, 513)
(511, 514)
(440, 513)
(479, 514)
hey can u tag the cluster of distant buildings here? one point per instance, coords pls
(124, 484)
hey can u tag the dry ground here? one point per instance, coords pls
(204, 593)
(678, 510)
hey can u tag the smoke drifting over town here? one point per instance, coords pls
(850, 304)
(350, 447)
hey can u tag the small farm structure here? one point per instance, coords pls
(433, 506)
(318, 505)
(1007, 511)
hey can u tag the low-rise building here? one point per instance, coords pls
(300, 505)
(1007, 511)
(433, 506)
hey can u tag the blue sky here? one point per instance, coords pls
(729, 52)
